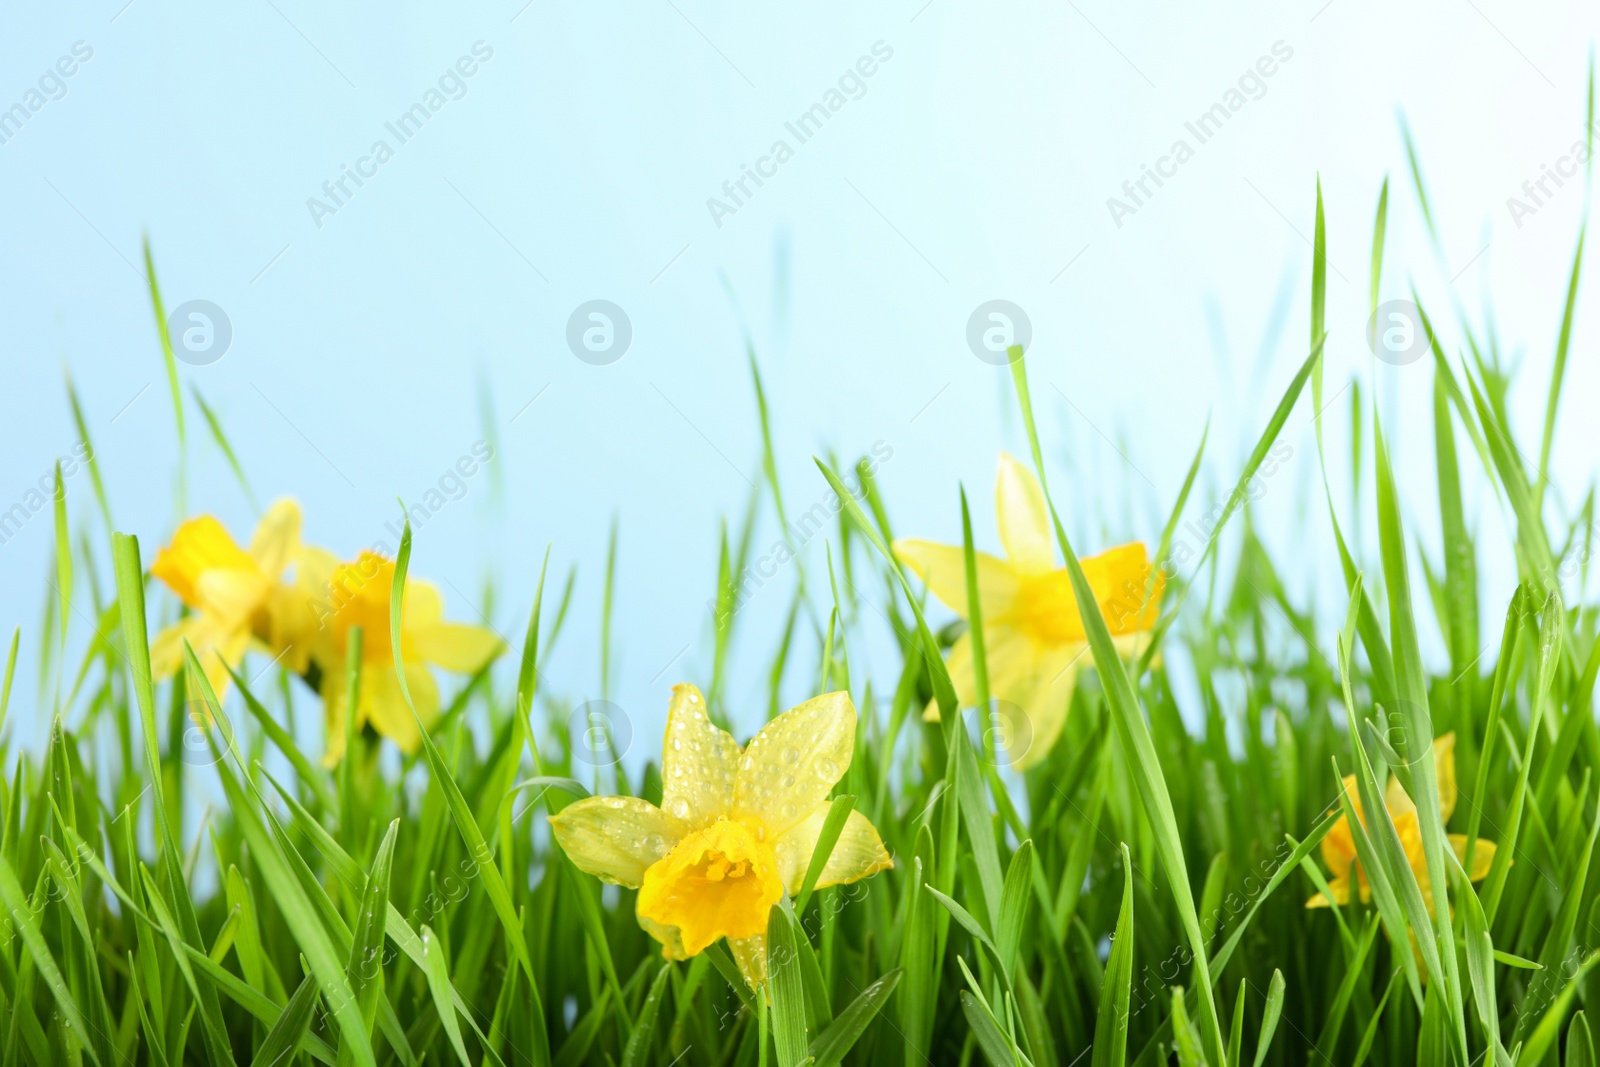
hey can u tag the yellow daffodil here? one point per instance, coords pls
(1339, 847)
(1034, 640)
(357, 594)
(238, 596)
(735, 831)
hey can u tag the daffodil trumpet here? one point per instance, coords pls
(735, 831)
(1033, 634)
(238, 598)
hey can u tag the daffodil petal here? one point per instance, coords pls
(669, 937)
(385, 708)
(944, 569)
(454, 646)
(1339, 887)
(698, 760)
(1395, 798)
(1444, 769)
(424, 604)
(166, 651)
(958, 662)
(858, 853)
(230, 593)
(214, 644)
(292, 630)
(1043, 699)
(792, 764)
(1482, 855)
(1338, 844)
(276, 541)
(1008, 654)
(1121, 579)
(1023, 517)
(615, 839)
(750, 953)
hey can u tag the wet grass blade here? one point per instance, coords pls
(830, 1047)
(290, 1029)
(1116, 990)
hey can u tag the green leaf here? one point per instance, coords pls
(997, 1047)
(286, 1034)
(1116, 991)
(639, 1043)
(788, 992)
(830, 1046)
(1014, 906)
(436, 968)
(166, 340)
(1270, 1016)
(366, 943)
(27, 924)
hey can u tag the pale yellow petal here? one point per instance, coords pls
(230, 594)
(385, 708)
(944, 569)
(424, 604)
(698, 760)
(958, 662)
(859, 852)
(166, 651)
(669, 937)
(1023, 517)
(214, 643)
(291, 632)
(1038, 705)
(1127, 589)
(1482, 855)
(615, 838)
(1396, 799)
(276, 541)
(1339, 887)
(750, 953)
(454, 646)
(793, 763)
(1444, 769)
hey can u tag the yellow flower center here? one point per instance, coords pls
(1047, 610)
(718, 882)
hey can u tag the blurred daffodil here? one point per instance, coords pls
(238, 597)
(736, 829)
(1033, 635)
(1339, 847)
(357, 594)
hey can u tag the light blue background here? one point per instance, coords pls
(578, 165)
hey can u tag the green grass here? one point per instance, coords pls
(1138, 898)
